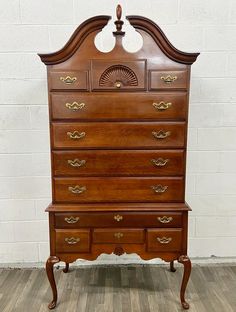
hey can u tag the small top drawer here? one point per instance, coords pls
(118, 75)
(168, 79)
(70, 80)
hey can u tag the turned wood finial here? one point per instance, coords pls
(119, 23)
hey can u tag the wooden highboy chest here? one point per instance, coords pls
(118, 128)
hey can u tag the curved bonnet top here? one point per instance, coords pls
(98, 22)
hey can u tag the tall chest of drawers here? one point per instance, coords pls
(118, 126)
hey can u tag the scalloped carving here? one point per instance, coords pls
(119, 250)
(117, 75)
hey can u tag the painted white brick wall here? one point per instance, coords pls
(28, 27)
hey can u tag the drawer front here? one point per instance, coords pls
(118, 75)
(123, 106)
(118, 235)
(118, 163)
(168, 80)
(73, 240)
(118, 219)
(69, 80)
(164, 239)
(118, 135)
(118, 189)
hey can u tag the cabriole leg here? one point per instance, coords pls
(187, 270)
(172, 268)
(66, 269)
(49, 269)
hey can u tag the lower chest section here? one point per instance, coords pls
(149, 232)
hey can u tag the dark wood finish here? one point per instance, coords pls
(118, 128)
(122, 207)
(157, 80)
(164, 239)
(118, 135)
(130, 75)
(123, 107)
(119, 163)
(66, 269)
(118, 219)
(172, 268)
(79, 80)
(72, 240)
(118, 236)
(119, 189)
(49, 269)
(187, 271)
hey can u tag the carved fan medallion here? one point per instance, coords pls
(117, 76)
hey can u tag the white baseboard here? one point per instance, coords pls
(120, 261)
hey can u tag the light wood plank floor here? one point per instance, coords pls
(119, 289)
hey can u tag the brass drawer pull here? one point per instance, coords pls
(117, 84)
(118, 235)
(77, 189)
(162, 106)
(169, 78)
(68, 80)
(72, 220)
(160, 162)
(76, 162)
(161, 134)
(75, 106)
(118, 218)
(164, 240)
(72, 240)
(76, 135)
(159, 188)
(165, 219)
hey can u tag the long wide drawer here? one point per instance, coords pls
(119, 235)
(73, 240)
(119, 189)
(118, 219)
(119, 106)
(117, 135)
(164, 239)
(119, 163)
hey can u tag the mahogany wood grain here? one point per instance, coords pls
(156, 239)
(118, 219)
(118, 135)
(187, 271)
(118, 163)
(49, 269)
(119, 189)
(66, 240)
(110, 248)
(80, 77)
(157, 80)
(138, 67)
(119, 236)
(120, 207)
(172, 268)
(114, 128)
(66, 269)
(122, 106)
